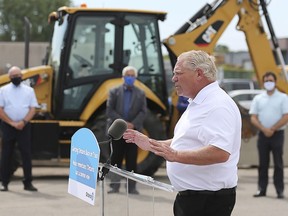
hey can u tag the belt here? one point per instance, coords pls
(224, 191)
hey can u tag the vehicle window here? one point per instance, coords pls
(75, 96)
(91, 54)
(142, 51)
(235, 86)
(139, 43)
(256, 86)
(243, 97)
(57, 45)
(92, 48)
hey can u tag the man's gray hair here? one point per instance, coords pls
(128, 68)
(199, 59)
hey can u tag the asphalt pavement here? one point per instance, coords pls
(52, 197)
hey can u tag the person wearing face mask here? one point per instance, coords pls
(126, 102)
(269, 113)
(17, 108)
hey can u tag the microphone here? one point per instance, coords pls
(117, 129)
(115, 132)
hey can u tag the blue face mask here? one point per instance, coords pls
(129, 80)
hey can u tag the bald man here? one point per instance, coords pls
(17, 108)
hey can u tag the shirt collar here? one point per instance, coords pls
(274, 92)
(126, 88)
(204, 92)
(13, 86)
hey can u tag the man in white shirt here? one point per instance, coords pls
(17, 108)
(269, 113)
(202, 157)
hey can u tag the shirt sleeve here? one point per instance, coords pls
(1, 98)
(33, 102)
(253, 107)
(284, 104)
(220, 128)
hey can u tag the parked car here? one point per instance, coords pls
(244, 97)
(237, 84)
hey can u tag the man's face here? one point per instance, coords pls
(269, 78)
(129, 78)
(130, 73)
(184, 80)
(15, 74)
(269, 83)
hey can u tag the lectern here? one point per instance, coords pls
(126, 204)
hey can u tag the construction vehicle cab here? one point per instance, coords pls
(88, 51)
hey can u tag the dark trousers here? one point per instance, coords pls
(121, 151)
(205, 204)
(9, 138)
(266, 145)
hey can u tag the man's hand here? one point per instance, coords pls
(163, 150)
(141, 140)
(268, 132)
(18, 125)
(130, 125)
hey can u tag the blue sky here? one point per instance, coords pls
(179, 11)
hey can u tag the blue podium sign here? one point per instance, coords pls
(84, 162)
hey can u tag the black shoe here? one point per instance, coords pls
(4, 188)
(30, 187)
(113, 190)
(280, 196)
(133, 191)
(260, 194)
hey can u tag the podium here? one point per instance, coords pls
(123, 203)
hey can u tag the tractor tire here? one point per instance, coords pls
(99, 127)
(147, 162)
(155, 129)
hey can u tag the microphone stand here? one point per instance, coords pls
(104, 171)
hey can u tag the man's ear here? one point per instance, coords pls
(199, 74)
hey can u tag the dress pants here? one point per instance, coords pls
(266, 145)
(205, 203)
(9, 138)
(127, 151)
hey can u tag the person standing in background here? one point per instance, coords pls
(182, 104)
(269, 113)
(17, 108)
(203, 154)
(126, 102)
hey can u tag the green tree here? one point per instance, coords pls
(12, 13)
(221, 49)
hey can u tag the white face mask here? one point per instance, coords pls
(269, 86)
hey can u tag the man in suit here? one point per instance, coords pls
(129, 103)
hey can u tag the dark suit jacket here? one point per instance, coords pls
(137, 111)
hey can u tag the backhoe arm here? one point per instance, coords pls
(203, 31)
